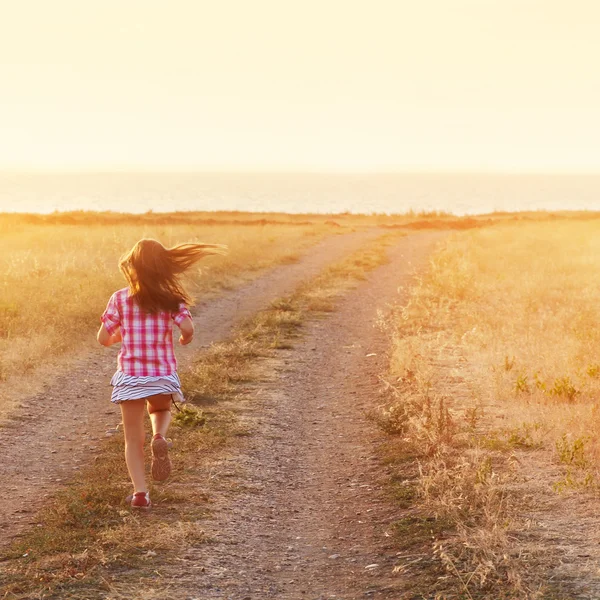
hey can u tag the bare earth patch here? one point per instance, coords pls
(299, 506)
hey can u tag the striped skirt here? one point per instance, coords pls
(131, 387)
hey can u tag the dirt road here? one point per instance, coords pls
(300, 510)
(55, 432)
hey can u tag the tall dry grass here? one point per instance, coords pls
(55, 279)
(496, 353)
(521, 304)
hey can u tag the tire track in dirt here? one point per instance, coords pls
(299, 507)
(56, 432)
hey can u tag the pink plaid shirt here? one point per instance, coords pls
(147, 347)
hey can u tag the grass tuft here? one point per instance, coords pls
(189, 416)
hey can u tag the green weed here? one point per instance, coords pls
(393, 419)
(571, 481)
(564, 388)
(522, 384)
(190, 416)
(593, 370)
(539, 383)
(522, 436)
(572, 453)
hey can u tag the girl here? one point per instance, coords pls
(140, 316)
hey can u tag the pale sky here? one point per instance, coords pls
(301, 85)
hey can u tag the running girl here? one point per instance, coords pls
(141, 317)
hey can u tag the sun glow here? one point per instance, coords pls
(323, 85)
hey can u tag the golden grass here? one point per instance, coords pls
(412, 218)
(55, 279)
(63, 266)
(88, 536)
(496, 353)
(521, 306)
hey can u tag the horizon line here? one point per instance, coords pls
(330, 172)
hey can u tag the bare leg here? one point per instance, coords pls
(159, 409)
(132, 412)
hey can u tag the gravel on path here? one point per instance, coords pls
(299, 506)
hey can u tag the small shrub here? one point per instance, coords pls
(393, 419)
(572, 453)
(522, 385)
(593, 370)
(189, 416)
(522, 436)
(563, 387)
(539, 383)
(571, 481)
(405, 494)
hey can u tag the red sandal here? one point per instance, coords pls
(139, 500)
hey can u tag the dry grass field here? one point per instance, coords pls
(56, 277)
(496, 358)
(57, 271)
(492, 387)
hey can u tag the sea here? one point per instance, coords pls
(389, 193)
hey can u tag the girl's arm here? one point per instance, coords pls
(106, 339)
(187, 331)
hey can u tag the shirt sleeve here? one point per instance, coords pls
(111, 317)
(181, 314)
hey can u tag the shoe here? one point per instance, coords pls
(139, 500)
(161, 463)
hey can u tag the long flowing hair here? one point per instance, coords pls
(153, 272)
